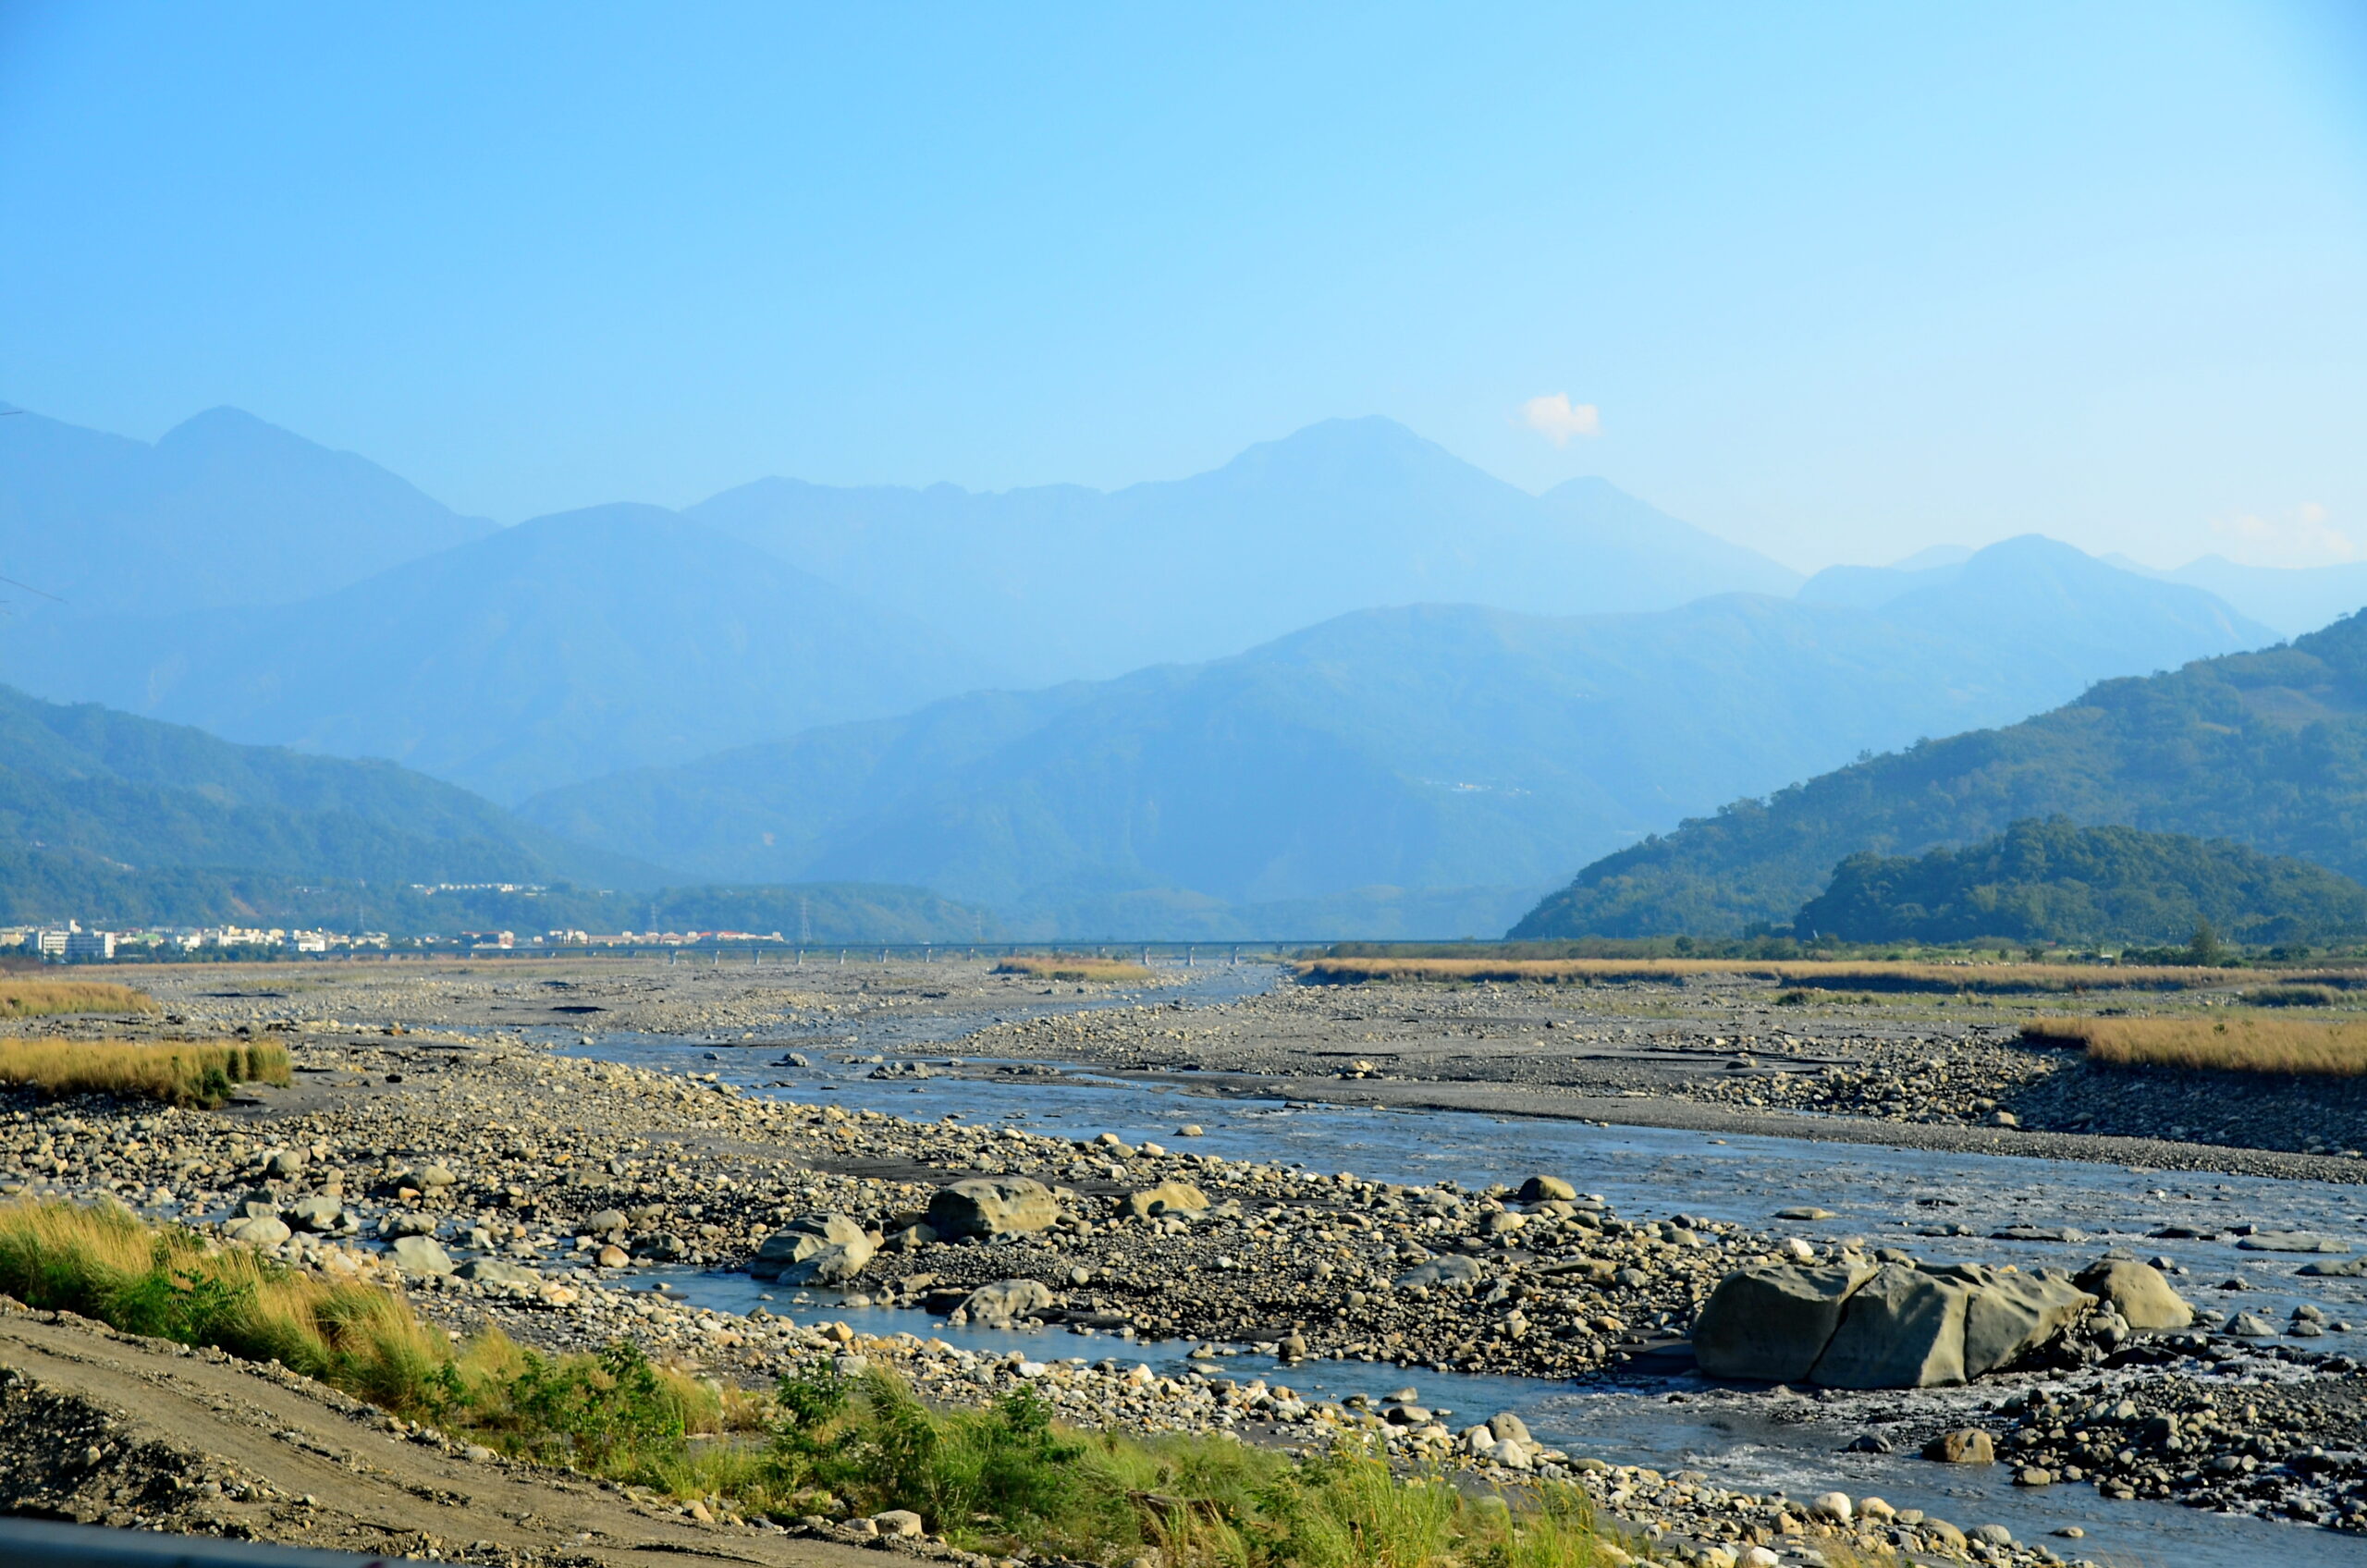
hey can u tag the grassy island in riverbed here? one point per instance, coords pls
(1073, 966)
(174, 1073)
(47, 999)
(2227, 1045)
(2000, 979)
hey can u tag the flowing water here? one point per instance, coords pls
(1756, 1441)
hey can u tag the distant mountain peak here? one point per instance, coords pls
(1354, 446)
(225, 510)
(225, 418)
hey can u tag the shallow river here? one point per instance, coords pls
(1884, 1196)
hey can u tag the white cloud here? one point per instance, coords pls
(1558, 419)
(2302, 537)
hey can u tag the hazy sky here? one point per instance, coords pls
(1838, 282)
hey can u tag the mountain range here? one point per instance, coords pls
(579, 644)
(2267, 749)
(116, 819)
(560, 649)
(1435, 748)
(1063, 582)
(224, 510)
(1451, 691)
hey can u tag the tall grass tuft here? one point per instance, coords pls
(2225, 1045)
(1073, 966)
(188, 1073)
(104, 1262)
(46, 999)
(612, 1414)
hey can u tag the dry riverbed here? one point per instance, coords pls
(432, 1122)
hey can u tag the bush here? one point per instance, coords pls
(1006, 1477)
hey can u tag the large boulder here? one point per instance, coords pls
(1770, 1323)
(497, 1271)
(989, 1207)
(1546, 1189)
(258, 1230)
(1902, 1328)
(800, 1240)
(2012, 1315)
(319, 1212)
(832, 1265)
(1168, 1197)
(1005, 1302)
(2139, 1292)
(1899, 1325)
(1962, 1445)
(420, 1256)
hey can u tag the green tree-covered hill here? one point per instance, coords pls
(2266, 749)
(2053, 881)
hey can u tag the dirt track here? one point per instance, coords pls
(102, 1427)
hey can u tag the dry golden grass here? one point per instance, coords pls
(1848, 976)
(177, 1073)
(104, 1262)
(46, 999)
(2224, 1045)
(1073, 966)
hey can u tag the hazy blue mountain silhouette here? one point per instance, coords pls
(113, 820)
(1412, 749)
(1064, 582)
(82, 780)
(563, 648)
(2292, 599)
(225, 510)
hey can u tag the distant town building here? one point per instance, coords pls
(86, 946)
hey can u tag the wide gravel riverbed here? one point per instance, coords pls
(705, 1106)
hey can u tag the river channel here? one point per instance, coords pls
(1939, 1205)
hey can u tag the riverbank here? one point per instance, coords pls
(437, 1104)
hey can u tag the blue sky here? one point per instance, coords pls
(1836, 281)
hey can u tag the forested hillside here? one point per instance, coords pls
(2053, 881)
(2267, 749)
